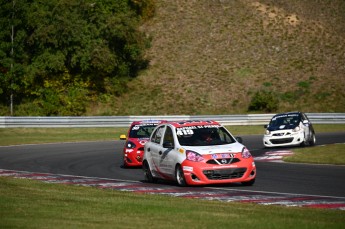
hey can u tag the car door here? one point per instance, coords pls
(154, 149)
(168, 154)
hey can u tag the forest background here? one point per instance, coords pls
(161, 57)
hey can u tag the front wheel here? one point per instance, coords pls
(179, 176)
(312, 140)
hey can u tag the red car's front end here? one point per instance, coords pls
(133, 152)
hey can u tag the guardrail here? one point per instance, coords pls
(125, 121)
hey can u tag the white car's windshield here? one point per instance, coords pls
(286, 120)
(203, 136)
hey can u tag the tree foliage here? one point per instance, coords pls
(66, 52)
(265, 101)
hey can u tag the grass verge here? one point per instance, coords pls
(34, 204)
(14, 136)
(329, 154)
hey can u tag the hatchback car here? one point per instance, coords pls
(138, 134)
(197, 153)
(289, 129)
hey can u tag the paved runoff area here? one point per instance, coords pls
(206, 193)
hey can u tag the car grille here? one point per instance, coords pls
(222, 174)
(281, 134)
(281, 141)
(224, 161)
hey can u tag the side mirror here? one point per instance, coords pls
(239, 139)
(168, 145)
(123, 137)
(265, 126)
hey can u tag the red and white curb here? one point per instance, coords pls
(274, 156)
(225, 195)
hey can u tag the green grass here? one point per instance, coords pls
(14, 136)
(34, 204)
(329, 154)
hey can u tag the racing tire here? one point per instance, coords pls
(312, 140)
(179, 176)
(248, 183)
(147, 173)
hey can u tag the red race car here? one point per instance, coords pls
(138, 134)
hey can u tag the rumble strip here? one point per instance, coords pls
(207, 193)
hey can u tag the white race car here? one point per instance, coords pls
(289, 129)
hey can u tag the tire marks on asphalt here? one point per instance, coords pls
(206, 193)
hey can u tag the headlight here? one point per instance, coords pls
(296, 129)
(268, 132)
(193, 156)
(130, 145)
(246, 153)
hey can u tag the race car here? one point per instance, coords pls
(138, 134)
(289, 129)
(197, 153)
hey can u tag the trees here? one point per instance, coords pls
(67, 51)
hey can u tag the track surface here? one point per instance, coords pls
(104, 160)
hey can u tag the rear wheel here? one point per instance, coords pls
(179, 176)
(147, 173)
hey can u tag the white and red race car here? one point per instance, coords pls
(197, 153)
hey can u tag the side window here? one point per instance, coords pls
(157, 135)
(169, 137)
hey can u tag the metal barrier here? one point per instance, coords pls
(125, 121)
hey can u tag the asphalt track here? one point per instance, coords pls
(104, 160)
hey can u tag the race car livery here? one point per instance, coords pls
(138, 134)
(197, 153)
(289, 129)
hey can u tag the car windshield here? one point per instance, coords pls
(203, 136)
(287, 119)
(142, 130)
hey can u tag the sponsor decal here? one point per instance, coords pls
(143, 142)
(188, 168)
(222, 155)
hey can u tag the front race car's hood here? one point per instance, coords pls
(139, 141)
(282, 127)
(205, 150)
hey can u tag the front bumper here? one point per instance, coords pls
(280, 138)
(199, 173)
(133, 158)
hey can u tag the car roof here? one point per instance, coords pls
(186, 123)
(288, 113)
(149, 122)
